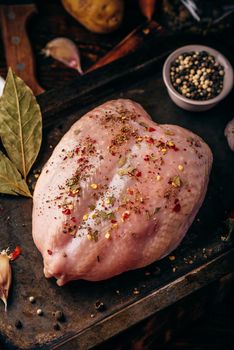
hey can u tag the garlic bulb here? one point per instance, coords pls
(5, 276)
(65, 51)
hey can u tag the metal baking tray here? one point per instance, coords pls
(202, 257)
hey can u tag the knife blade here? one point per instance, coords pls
(133, 41)
(14, 16)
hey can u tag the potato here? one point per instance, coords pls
(99, 16)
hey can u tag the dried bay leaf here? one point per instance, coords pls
(11, 181)
(20, 124)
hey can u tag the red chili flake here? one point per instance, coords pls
(73, 219)
(189, 190)
(174, 148)
(138, 173)
(113, 221)
(176, 200)
(16, 252)
(177, 208)
(80, 160)
(77, 150)
(49, 251)
(70, 194)
(66, 211)
(146, 158)
(125, 216)
(130, 191)
(151, 129)
(150, 140)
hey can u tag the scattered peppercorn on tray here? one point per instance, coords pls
(83, 314)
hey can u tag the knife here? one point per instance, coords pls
(14, 16)
(132, 42)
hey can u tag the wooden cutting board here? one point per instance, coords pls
(201, 258)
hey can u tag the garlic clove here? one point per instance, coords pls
(5, 277)
(2, 83)
(229, 133)
(65, 51)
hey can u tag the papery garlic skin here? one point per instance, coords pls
(5, 276)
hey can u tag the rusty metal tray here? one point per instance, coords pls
(201, 258)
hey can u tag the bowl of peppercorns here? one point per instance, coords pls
(197, 77)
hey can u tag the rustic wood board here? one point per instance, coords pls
(201, 258)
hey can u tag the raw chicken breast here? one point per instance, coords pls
(118, 193)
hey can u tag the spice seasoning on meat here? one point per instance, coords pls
(133, 201)
(177, 206)
(94, 186)
(175, 181)
(122, 161)
(85, 217)
(156, 210)
(180, 167)
(66, 211)
(92, 235)
(128, 171)
(125, 215)
(168, 132)
(110, 200)
(107, 235)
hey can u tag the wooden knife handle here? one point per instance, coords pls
(18, 51)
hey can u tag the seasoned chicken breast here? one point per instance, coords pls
(118, 193)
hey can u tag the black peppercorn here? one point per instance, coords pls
(18, 324)
(56, 327)
(99, 306)
(196, 75)
(59, 315)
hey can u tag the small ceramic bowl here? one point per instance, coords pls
(194, 105)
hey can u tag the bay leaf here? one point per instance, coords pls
(11, 181)
(20, 123)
